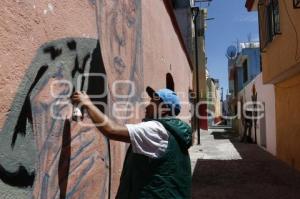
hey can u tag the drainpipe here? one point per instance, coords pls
(195, 15)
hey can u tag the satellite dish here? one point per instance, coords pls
(231, 52)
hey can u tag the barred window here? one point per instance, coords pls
(276, 19)
(269, 18)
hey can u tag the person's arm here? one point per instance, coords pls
(108, 127)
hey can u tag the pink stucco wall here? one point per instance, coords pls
(163, 53)
(26, 25)
(265, 94)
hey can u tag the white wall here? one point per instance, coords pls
(265, 93)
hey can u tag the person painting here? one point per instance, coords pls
(157, 163)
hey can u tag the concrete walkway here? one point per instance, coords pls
(213, 149)
(225, 168)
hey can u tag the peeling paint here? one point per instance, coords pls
(50, 7)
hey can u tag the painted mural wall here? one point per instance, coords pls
(110, 49)
(266, 126)
(40, 41)
(25, 25)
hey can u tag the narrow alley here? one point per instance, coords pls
(150, 99)
(225, 168)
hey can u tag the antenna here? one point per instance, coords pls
(222, 94)
(249, 37)
(238, 45)
(231, 52)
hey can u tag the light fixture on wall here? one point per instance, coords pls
(296, 3)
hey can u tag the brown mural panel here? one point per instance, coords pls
(119, 27)
(120, 35)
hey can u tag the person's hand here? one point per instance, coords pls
(81, 98)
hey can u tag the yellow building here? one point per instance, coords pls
(279, 23)
(213, 101)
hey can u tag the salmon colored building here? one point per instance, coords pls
(51, 48)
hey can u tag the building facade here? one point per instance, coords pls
(214, 106)
(183, 13)
(246, 86)
(200, 72)
(247, 64)
(280, 50)
(263, 129)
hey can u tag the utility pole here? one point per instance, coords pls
(195, 17)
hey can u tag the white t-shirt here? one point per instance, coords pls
(148, 138)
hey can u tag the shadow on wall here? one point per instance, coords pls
(34, 145)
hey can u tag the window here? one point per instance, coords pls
(276, 19)
(245, 71)
(269, 19)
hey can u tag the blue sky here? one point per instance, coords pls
(232, 22)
